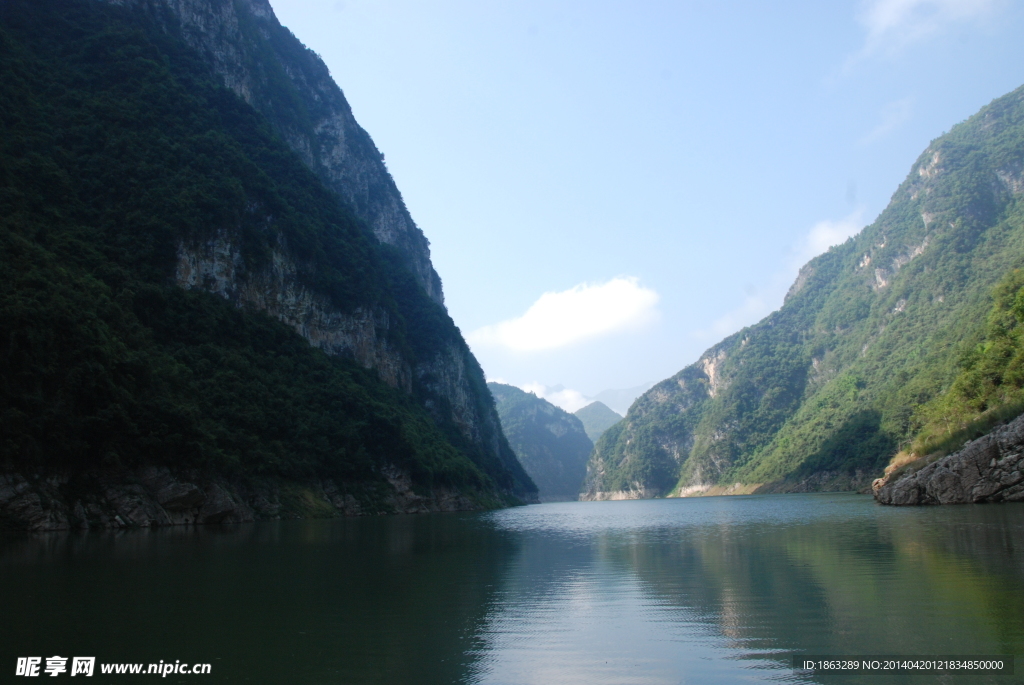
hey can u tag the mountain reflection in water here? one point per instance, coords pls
(720, 589)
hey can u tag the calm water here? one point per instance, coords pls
(714, 590)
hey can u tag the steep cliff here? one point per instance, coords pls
(820, 393)
(185, 290)
(268, 67)
(551, 443)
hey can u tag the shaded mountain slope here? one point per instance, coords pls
(821, 393)
(551, 443)
(260, 61)
(181, 290)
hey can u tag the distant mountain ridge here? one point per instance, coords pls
(597, 418)
(821, 393)
(550, 442)
(620, 399)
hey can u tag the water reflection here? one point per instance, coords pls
(378, 600)
(727, 589)
(668, 591)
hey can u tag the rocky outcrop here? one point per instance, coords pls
(447, 375)
(152, 497)
(217, 265)
(405, 500)
(989, 469)
(640, 492)
(269, 68)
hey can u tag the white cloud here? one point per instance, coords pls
(581, 313)
(824, 235)
(893, 24)
(565, 398)
(894, 115)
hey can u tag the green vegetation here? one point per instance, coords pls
(551, 443)
(821, 393)
(596, 418)
(989, 387)
(118, 146)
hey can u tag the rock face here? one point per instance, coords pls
(616, 495)
(989, 469)
(445, 376)
(267, 66)
(217, 265)
(152, 496)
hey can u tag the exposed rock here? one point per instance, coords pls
(447, 375)
(711, 365)
(988, 469)
(151, 497)
(804, 275)
(171, 494)
(217, 265)
(930, 168)
(404, 500)
(219, 506)
(33, 508)
(637, 492)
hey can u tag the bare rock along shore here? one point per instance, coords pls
(152, 497)
(988, 469)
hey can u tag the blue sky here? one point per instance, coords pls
(610, 188)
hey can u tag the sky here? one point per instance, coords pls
(610, 188)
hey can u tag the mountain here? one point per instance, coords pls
(988, 391)
(620, 400)
(272, 71)
(215, 304)
(551, 443)
(597, 418)
(821, 393)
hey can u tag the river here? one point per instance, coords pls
(709, 590)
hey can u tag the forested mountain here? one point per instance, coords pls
(988, 389)
(551, 443)
(597, 418)
(199, 322)
(822, 393)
